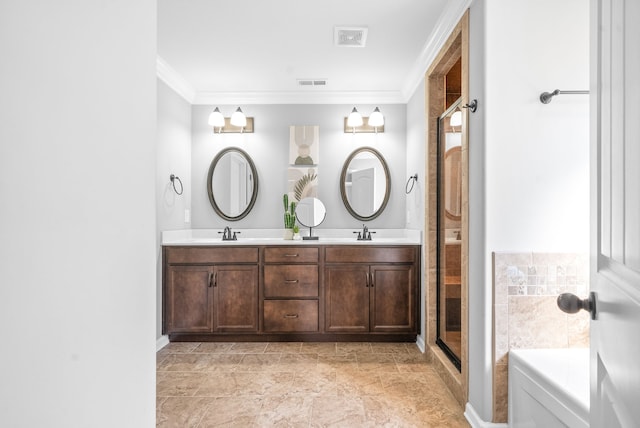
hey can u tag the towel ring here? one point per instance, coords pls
(173, 179)
(412, 180)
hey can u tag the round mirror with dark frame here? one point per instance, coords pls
(365, 184)
(310, 212)
(232, 184)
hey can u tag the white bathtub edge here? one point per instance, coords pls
(476, 421)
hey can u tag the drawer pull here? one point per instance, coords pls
(291, 255)
(210, 279)
(371, 281)
(366, 279)
(291, 281)
(291, 316)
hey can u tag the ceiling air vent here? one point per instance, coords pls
(312, 82)
(353, 37)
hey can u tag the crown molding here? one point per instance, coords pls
(444, 26)
(174, 80)
(306, 97)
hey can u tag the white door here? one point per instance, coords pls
(615, 265)
(362, 191)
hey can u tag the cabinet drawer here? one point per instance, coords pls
(211, 255)
(290, 255)
(291, 281)
(369, 254)
(290, 315)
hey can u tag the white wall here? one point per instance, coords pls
(269, 148)
(173, 157)
(529, 171)
(77, 301)
(416, 163)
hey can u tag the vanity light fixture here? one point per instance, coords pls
(355, 123)
(238, 123)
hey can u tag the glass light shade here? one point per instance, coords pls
(376, 119)
(355, 118)
(456, 118)
(216, 119)
(238, 118)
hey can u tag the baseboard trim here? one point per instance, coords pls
(420, 344)
(161, 342)
(476, 421)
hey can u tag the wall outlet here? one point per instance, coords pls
(187, 216)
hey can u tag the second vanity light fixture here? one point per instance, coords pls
(355, 123)
(238, 123)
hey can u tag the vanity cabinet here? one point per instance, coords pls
(209, 290)
(291, 289)
(291, 292)
(371, 289)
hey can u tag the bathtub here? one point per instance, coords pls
(549, 388)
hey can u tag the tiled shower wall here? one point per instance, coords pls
(525, 314)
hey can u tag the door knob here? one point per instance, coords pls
(571, 304)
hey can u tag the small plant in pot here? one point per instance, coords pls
(289, 216)
(296, 233)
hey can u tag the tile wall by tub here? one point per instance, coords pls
(525, 314)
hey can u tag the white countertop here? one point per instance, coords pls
(275, 237)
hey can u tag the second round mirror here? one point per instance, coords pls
(365, 184)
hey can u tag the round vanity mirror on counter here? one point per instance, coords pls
(232, 184)
(365, 184)
(310, 213)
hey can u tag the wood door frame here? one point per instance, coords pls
(456, 47)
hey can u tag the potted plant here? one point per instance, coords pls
(296, 234)
(289, 216)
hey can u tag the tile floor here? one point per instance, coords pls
(301, 385)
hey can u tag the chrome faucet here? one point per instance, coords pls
(227, 236)
(365, 234)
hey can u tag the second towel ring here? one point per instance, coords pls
(173, 179)
(411, 181)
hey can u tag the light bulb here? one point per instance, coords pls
(376, 119)
(456, 118)
(354, 119)
(238, 118)
(216, 119)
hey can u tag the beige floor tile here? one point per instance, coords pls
(214, 347)
(182, 412)
(200, 362)
(284, 347)
(320, 348)
(337, 412)
(180, 347)
(232, 412)
(285, 411)
(376, 363)
(176, 384)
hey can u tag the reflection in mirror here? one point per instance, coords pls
(452, 197)
(365, 184)
(310, 212)
(232, 184)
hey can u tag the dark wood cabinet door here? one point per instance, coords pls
(347, 298)
(235, 298)
(393, 298)
(189, 299)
